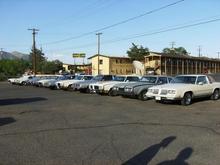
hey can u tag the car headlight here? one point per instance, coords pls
(171, 91)
(115, 88)
(150, 91)
(128, 89)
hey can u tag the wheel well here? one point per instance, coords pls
(189, 92)
(216, 89)
(141, 90)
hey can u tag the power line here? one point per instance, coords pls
(116, 24)
(163, 30)
(88, 10)
(166, 30)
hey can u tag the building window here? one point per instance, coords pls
(116, 61)
(100, 62)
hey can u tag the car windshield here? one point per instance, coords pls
(78, 77)
(119, 78)
(149, 79)
(98, 78)
(61, 78)
(184, 79)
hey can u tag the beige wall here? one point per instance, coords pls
(121, 66)
(153, 62)
(112, 65)
(103, 68)
(65, 66)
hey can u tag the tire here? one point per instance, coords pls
(87, 90)
(23, 83)
(69, 88)
(187, 99)
(111, 93)
(142, 96)
(215, 95)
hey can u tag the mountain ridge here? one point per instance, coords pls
(15, 55)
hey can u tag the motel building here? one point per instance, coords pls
(111, 65)
(172, 64)
(157, 63)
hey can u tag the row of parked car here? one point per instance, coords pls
(183, 88)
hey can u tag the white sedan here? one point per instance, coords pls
(185, 88)
(65, 84)
(104, 87)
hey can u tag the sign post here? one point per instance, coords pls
(79, 55)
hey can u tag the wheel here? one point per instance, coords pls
(87, 90)
(112, 92)
(215, 95)
(23, 83)
(69, 88)
(142, 96)
(187, 99)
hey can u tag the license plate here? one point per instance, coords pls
(157, 98)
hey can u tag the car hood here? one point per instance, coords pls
(139, 84)
(87, 82)
(108, 82)
(47, 80)
(123, 84)
(174, 86)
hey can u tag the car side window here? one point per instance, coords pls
(162, 80)
(202, 79)
(170, 79)
(107, 78)
(132, 79)
(87, 77)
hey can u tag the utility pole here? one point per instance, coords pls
(218, 54)
(200, 49)
(34, 63)
(1, 50)
(172, 45)
(98, 34)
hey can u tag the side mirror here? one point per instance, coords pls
(200, 83)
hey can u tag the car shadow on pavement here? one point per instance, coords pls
(194, 101)
(180, 158)
(6, 120)
(148, 154)
(20, 100)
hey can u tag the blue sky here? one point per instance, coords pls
(61, 19)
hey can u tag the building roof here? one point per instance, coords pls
(79, 64)
(109, 56)
(182, 56)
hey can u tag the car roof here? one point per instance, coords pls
(191, 75)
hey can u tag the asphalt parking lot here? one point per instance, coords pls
(53, 127)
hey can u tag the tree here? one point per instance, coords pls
(11, 68)
(40, 57)
(50, 67)
(179, 51)
(137, 53)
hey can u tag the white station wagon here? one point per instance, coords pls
(185, 88)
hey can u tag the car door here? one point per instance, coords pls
(162, 80)
(203, 87)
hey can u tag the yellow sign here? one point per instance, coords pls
(79, 55)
